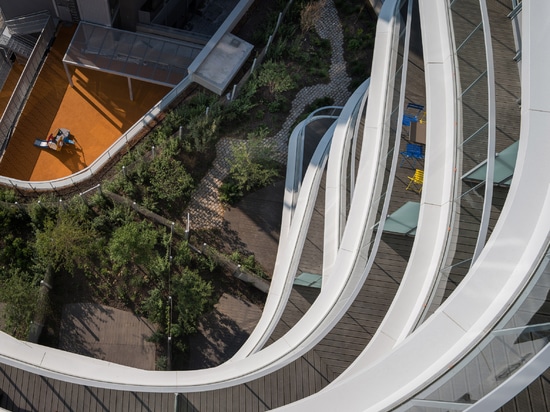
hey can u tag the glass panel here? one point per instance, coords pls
(130, 54)
(468, 206)
(502, 355)
(522, 333)
(474, 127)
(449, 278)
(411, 407)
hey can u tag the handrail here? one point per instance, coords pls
(291, 242)
(336, 184)
(491, 138)
(20, 94)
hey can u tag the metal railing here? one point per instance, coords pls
(26, 81)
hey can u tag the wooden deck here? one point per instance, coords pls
(317, 368)
(97, 110)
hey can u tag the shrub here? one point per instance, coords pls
(280, 104)
(192, 297)
(123, 185)
(278, 48)
(182, 254)
(154, 306)
(7, 195)
(230, 193)
(203, 131)
(248, 262)
(169, 181)
(132, 243)
(20, 294)
(311, 13)
(252, 165)
(275, 77)
(161, 363)
(252, 168)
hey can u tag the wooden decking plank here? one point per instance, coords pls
(319, 371)
(288, 377)
(251, 396)
(153, 401)
(14, 392)
(124, 405)
(25, 390)
(292, 381)
(268, 386)
(35, 396)
(280, 393)
(58, 391)
(7, 388)
(16, 377)
(192, 401)
(112, 400)
(47, 383)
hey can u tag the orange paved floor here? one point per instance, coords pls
(96, 111)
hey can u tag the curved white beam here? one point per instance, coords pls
(512, 254)
(290, 250)
(432, 233)
(324, 313)
(337, 184)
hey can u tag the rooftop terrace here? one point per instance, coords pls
(97, 110)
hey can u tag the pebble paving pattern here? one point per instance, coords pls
(205, 209)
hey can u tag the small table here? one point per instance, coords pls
(418, 132)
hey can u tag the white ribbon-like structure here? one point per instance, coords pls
(410, 353)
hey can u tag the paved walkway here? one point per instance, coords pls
(107, 333)
(222, 332)
(206, 211)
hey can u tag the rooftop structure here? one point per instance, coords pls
(466, 324)
(156, 54)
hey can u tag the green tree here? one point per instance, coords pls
(169, 182)
(276, 77)
(192, 297)
(154, 306)
(134, 243)
(15, 231)
(19, 293)
(252, 167)
(65, 243)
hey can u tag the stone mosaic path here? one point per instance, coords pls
(205, 209)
